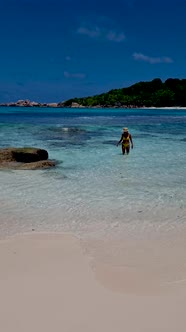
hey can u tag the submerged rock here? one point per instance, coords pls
(24, 155)
(25, 158)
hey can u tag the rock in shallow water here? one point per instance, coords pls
(25, 158)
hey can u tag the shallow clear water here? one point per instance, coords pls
(95, 190)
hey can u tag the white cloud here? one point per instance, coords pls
(74, 75)
(97, 32)
(116, 37)
(152, 60)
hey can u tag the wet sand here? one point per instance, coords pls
(56, 282)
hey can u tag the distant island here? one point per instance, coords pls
(171, 93)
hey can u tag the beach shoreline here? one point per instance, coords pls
(57, 282)
(34, 105)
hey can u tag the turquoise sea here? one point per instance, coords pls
(95, 190)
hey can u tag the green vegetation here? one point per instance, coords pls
(155, 93)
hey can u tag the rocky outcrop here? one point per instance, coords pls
(28, 103)
(52, 105)
(43, 164)
(75, 105)
(25, 158)
(23, 155)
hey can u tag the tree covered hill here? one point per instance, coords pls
(155, 93)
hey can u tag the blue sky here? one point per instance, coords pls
(53, 50)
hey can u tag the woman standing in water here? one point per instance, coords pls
(126, 139)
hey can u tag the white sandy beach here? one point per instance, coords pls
(49, 282)
(165, 108)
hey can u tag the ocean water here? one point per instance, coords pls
(95, 190)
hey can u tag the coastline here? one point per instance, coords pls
(59, 105)
(52, 282)
(138, 95)
(32, 104)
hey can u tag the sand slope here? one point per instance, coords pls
(47, 284)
